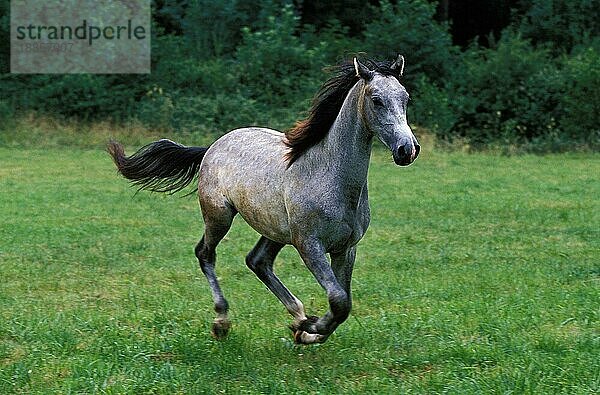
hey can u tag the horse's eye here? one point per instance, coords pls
(377, 101)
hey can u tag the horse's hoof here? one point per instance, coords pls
(220, 329)
(303, 331)
(301, 337)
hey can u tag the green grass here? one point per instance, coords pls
(479, 274)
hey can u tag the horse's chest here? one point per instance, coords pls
(332, 215)
(362, 220)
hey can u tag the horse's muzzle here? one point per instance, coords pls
(407, 153)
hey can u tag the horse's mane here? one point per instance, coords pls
(327, 104)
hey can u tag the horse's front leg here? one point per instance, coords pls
(335, 280)
(343, 264)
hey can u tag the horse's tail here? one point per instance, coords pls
(161, 166)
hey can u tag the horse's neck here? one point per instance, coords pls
(346, 149)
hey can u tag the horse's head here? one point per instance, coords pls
(382, 107)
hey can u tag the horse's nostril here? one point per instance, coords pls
(406, 154)
(406, 151)
(401, 154)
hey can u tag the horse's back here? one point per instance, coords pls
(247, 151)
(245, 170)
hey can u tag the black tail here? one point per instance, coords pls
(161, 166)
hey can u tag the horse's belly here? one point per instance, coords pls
(258, 199)
(266, 219)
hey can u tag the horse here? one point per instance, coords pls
(306, 187)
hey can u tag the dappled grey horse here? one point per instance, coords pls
(306, 187)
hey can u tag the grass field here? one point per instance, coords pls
(480, 274)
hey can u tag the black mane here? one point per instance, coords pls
(327, 104)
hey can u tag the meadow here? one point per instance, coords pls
(480, 273)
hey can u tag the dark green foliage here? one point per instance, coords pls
(214, 114)
(83, 96)
(409, 28)
(580, 102)
(275, 64)
(5, 112)
(518, 94)
(430, 106)
(4, 36)
(224, 22)
(351, 13)
(495, 100)
(220, 65)
(560, 24)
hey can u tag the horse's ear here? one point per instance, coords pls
(398, 65)
(362, 71)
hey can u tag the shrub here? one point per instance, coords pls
(214, 115)
(409, 28)
(520, 95)
(580, 100)
(560, 24)
(508, 94)
(334, 42)
(155, 110)
(276, 67)
(187, 75)
(5, 113)
(84, 96)
(429, 107)
(211, 28)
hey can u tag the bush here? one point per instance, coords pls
(333, 42)
(220, 65)
(181, 75)
(5, 113)
(276, 67)
(83, 96)
(429, 107)
(559, 24)
(211, 28)
(213, 115)
(409, 28)
(155, 110)
(520, 95)
(580, 100)
(507, 94)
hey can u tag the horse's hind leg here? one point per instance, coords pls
(216, 226)
(260, 261)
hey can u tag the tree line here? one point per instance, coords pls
(522, 72)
